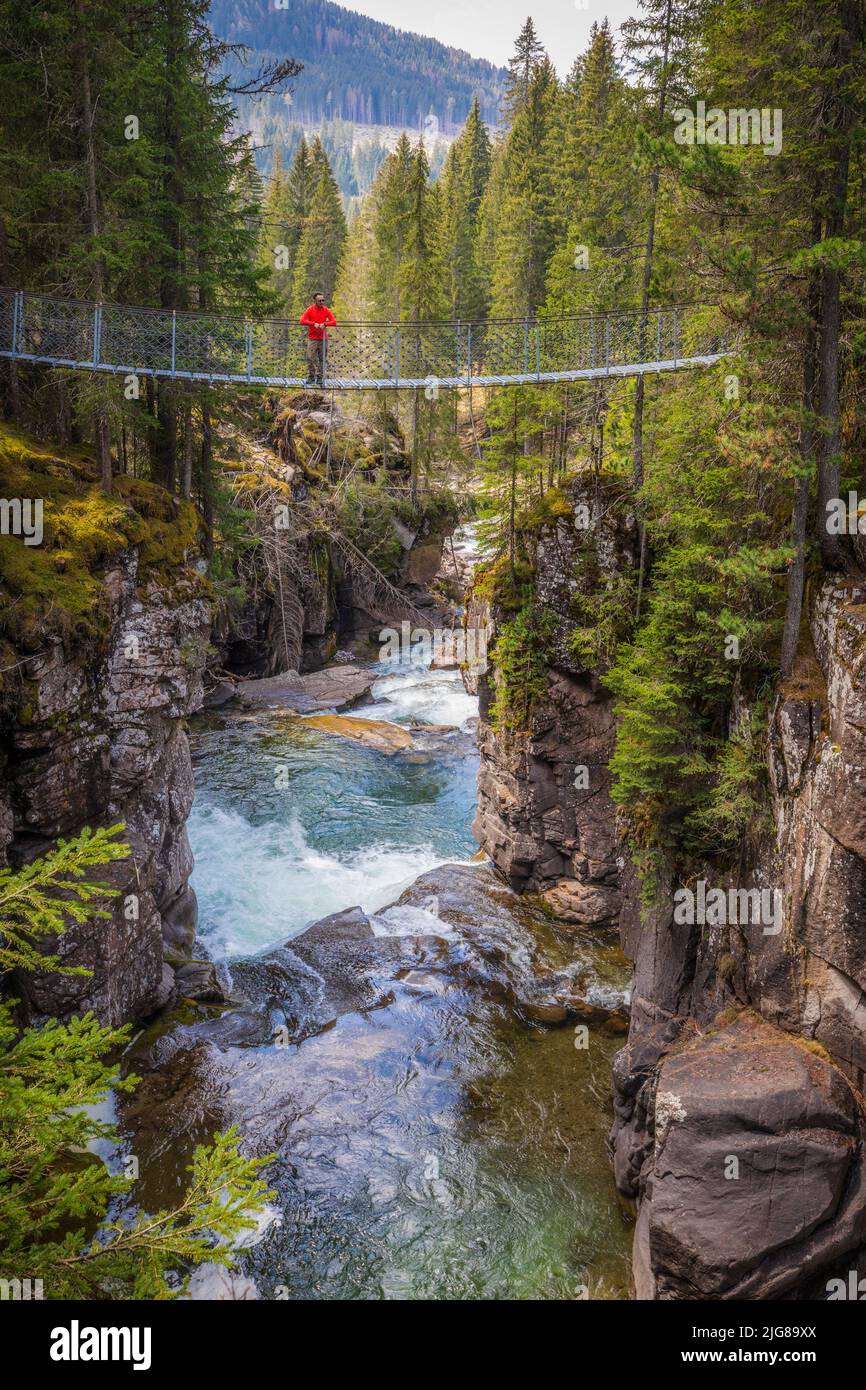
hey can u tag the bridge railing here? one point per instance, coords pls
(231, 347)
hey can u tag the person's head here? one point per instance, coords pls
(319, 299)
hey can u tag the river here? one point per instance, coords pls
(434, 1144)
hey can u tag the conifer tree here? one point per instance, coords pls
(321, 243)
(526, 216)
(522, 66)
(277, 232)
(463, 181)
(65, 1218)
(392, 200)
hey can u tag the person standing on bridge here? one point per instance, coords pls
(318, 319)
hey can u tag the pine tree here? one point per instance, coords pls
(593, 133)
(277, 232)
(463, 182)
(353, 300)
(55, 1198)
(391, 196)
(522, 67)
(322, 241)
(526, 216)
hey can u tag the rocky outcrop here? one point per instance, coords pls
(310, 590)
(753, 1089)
(545, 815)
(753, 1179)
(739, 1117)
(336, 687)
(96, 737)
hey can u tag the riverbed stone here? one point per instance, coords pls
(377, 734)
(334, 687)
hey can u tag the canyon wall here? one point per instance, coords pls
(545, 815)
(107, 625)
(739, 1122)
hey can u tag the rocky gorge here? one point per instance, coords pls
(460, 987)
(738, 1105)
(737, 1054)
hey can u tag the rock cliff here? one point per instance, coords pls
(787, 1099)
(545, 815)
(738, 1109)
(105, 629)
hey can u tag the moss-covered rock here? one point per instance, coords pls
(56, 586)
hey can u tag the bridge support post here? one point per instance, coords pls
(248, 348)
(676, 336)
(17, 321)
(607, 345)
(97, 334)
(538, 352)
(525, 347)
(396, 357)
(469, 355)
(173, 338)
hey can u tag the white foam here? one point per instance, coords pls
(416, 694)
(259, 885)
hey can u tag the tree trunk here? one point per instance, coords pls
(512, 509)
(187, 447)
(637, 428)
(101, 433)
(103, 449)
(7, 278)
(165, 444)
(207, 479)
(803, 486)
(413, 494)
(829, 462)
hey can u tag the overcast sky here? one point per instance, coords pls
(488, 28)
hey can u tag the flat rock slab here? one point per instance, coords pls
(373, 733)
(334, 687)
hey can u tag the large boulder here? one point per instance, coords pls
(754, 1182)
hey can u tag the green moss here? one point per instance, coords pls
(506, 586)
(546, 511)
(56, 587)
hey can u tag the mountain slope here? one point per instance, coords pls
(359, 69)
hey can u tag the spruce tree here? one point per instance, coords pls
(526, 217)
(522, 66)
(392, 202)
(321, 244)
(65, 1219)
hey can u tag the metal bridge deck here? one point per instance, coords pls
(210, 347)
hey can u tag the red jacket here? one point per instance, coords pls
(317, 320)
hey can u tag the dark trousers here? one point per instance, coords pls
(314, 359)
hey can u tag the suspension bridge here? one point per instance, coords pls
(219, 347)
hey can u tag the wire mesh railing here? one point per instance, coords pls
(231, 347)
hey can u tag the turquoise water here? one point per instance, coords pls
(291, 823)
(436, 1148)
